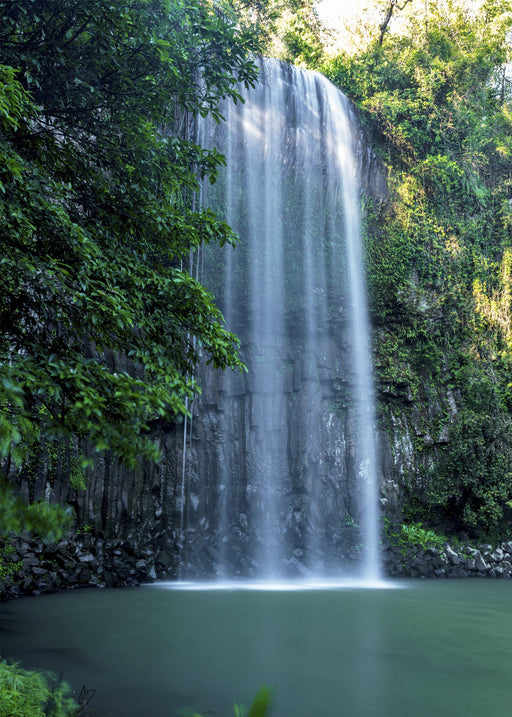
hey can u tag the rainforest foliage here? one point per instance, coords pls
(97, 182)
(287, 29)
(435, 93)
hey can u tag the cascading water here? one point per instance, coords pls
(286, 470)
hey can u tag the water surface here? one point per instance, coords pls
(432, 648)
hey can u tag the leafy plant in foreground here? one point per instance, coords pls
(259, 708)
(28, 693)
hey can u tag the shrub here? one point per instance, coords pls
(259, 707)
(28, 693)
(414, 535)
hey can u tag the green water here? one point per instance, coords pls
(431, 648)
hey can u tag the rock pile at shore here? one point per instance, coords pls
(484, 561)
(31, 568)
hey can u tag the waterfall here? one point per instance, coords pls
(286, 467)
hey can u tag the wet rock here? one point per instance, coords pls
(452, 556)
(497, 555)
(297, 568)
(79, 563)
(87, 558)
(97, 582)
(451, 563)
(164, 559)
(480, 563)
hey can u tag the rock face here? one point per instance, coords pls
(133, 512)
(223, 490)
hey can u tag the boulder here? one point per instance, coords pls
(452, 556)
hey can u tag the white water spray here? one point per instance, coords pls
(295, 453)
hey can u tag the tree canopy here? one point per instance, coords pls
(98, 175)
(286, 29)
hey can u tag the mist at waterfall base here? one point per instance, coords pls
(281, 482)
